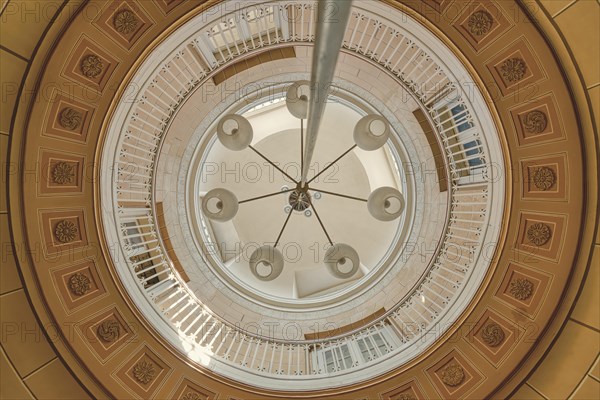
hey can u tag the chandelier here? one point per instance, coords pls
(384, 204)
(306, 101)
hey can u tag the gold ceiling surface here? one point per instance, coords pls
(81, 69)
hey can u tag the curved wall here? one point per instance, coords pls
(30, 366)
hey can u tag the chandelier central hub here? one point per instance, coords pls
(299, 199)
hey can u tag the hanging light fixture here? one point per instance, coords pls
(266, 263)
(235, 132)
(342, 261)
(386, 204)
(220, 205)
(371, 132)
(297, 99)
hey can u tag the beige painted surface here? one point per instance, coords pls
(11, 386)
(579, 24)
(12, 69)
(554, 7)
(23, 23)
(23, 339)
(569, 367)
(9, 274)
(569, 359)
(25, 352)
(586, 310)
(4, 169)
(525, 392)
(54, 381)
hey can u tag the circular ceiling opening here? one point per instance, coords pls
(302, 221)
(236, 188)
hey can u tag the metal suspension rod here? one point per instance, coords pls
(320, 221)
(266, 195)
(339, 195)
(283, 228)
(332, 163)
(273, 164)
(333, 16)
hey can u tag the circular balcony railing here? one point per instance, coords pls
(463, 125)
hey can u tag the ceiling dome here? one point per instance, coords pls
(171, 238)
(268, 246)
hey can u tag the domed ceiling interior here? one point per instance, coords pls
(319, 199)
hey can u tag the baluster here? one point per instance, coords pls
(156, 275)
(198, 60)
(282, 22)
(419, 54)
(143, 212)
(205, 50)
(166, 70)
(433, 281)
(153, 106)
(183, 308)
(388, 63)
(231, 344)
(223, 340)
(227, 44)
(148, 115)
(239, 348)
(272, 357)
(220, 332)
(150, 268)
(200, 314)
(293, 18)
(425, 70)
(298, 372)
(262, 361)
(279, 369)
(177, 98)
(258, 343)
(188, 315)
(151, 150)
(454, 284)
(302, 8)
(162, 290)
(409, 45)
(263, 22)
(213, 325)
(179, 291)
(380, 41)
(185, 72)
(359, 45)
(155, 85)
(248, 347)
(203, 324)
(377, 26)
(154, 135)
(147, 92)
(306, 359)
(290, 357)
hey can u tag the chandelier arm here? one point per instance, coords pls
(283, 228)
(339, 195)
(320, 221)
(265, 196)
(332, 164)
(273, 164)
(328, 41)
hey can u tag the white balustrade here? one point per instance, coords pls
(273, 24)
